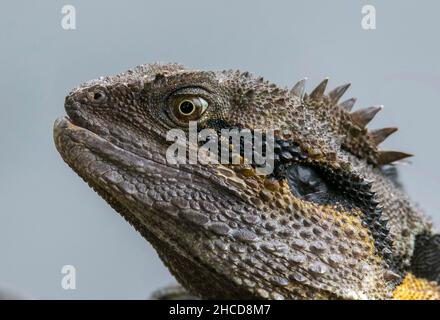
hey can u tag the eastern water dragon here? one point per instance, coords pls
(330, 222)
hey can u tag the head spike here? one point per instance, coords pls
(386, 157)
(318, 92)
(363, 116)
(298, 88)
(337, 92)
(379, 135)
(347, 105)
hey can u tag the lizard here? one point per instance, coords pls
(332, 221)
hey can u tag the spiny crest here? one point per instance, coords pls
(347, 105)
(386, 157)
(353, 124)
(363, 116)
(298, 88)
(338, 92)
(318, 93)
(379, 135)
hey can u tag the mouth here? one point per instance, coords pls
(67, 132)
(93, 156)
(80, 146)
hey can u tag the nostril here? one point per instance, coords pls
(97, 96)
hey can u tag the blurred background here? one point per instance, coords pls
(50, 218)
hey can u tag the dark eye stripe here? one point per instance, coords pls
(425, 262)
(315, 182)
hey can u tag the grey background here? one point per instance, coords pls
(49, 217)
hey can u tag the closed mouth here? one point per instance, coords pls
(72, 141)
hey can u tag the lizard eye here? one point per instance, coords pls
(189, 107)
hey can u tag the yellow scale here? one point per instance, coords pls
(413, 288)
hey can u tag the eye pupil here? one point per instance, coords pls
(186, 107)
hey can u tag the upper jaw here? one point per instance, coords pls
(73, 141)
(67, 134)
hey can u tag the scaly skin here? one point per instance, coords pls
(222, 230)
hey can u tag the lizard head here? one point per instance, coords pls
(314, 227)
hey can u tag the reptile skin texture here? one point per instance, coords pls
(331, 221)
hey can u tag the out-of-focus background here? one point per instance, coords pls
(50, 218)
